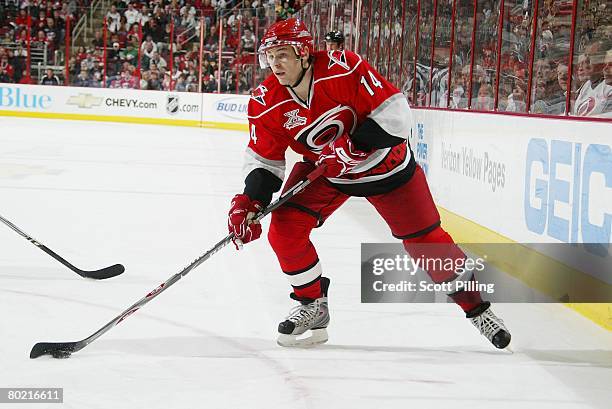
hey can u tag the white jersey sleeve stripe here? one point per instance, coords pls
(254, 161)
(394, 116)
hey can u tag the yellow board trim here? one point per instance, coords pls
(128, 119)
(466, 231)
(225, 125)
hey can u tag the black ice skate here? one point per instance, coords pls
(489, 325)
(311, 315)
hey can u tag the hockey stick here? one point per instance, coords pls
(65, 349)
(101, 274)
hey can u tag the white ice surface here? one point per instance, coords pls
(154, 198)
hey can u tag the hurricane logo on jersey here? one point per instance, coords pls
(259, 93)
(328, 127)
(586, 107)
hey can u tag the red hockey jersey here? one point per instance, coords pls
(344, 91)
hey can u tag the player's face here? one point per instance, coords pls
(332, 46)
(285, 64)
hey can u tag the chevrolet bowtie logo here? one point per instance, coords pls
(84, 100)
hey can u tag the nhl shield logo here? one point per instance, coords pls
(172, 104)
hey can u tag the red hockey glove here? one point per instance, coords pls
(340, 157)
(239, 220)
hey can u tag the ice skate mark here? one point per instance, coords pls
(299, 391)
(398, 379)
(476, 400)
(25, 278)
(17, 171)
(129, 192)
(111, 162)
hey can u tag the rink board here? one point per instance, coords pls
(548, 181)
(124, 105)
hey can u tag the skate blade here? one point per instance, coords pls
(317, 336)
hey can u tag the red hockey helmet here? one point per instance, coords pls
(291, 32)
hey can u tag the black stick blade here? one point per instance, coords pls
(55, 349)
(104, 273)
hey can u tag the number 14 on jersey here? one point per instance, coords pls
(375, 82)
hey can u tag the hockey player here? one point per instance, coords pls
(334, 40)
(338, 112)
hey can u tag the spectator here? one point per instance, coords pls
(557, 103)
(212, 42)
(144, 80)
(132, 16)
(166, 82)
(516, 100)
(286, 11)
(539, 98)
(113, 58)
(80, 53)
(113, 19)
(607, 73)
(148, 47)
(234, 18)
(40, 39)
(145, 15)
(248, 41)
(97, 41)
(158, 60)
(593, 95)
(130, 54)
(484, 102)
(26, 78)
(4, 77)
(584, 70)
(97, 79)
(7, 68)
(154, 30)
(22, 20)
(208, 12)
(607, 70)
(188, 20)
(49, 78)
(83, 79)
(206, 68)
(126, 80)
(180, 84)
(53, 33)
(154, 82)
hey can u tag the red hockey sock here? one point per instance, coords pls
(313, 291)
(438, 244)
(467, 300)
